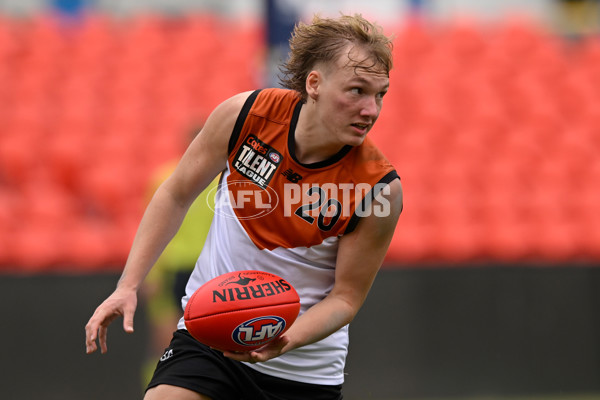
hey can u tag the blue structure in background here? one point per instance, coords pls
(70, 8)
(416, 5)
(281, 19)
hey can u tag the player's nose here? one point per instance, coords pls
(370, 108)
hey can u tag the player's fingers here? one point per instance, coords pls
(270, 350)
(90, 336)
(90, 346)
(128, 320)
(260, 356)
(238, 356)
(102, 332)
(255, 357)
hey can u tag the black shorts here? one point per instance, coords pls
(189, 364)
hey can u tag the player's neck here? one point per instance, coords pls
(313, 142)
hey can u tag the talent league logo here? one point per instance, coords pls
(257, 161)
(258, 331)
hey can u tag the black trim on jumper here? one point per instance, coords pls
(368, 199)
(241, 119)
(292, 144)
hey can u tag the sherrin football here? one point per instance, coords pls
(241, 311)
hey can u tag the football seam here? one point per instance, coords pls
(241, 309)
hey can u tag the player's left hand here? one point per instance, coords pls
(270, 350)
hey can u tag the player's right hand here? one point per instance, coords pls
(122, 302)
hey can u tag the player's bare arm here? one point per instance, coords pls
(360, 256)
(201, 163)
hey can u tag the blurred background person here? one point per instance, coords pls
(164, 286)
(578, 18)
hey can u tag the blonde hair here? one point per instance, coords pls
(322, 41)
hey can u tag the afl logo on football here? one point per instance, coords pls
(258, 331)
(274, 157)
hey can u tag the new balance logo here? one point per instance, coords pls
(168, 354)
(291, 175)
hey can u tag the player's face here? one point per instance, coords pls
(351, 96)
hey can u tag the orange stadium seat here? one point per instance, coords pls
(493, 131)
(517, 139)
(43, 211)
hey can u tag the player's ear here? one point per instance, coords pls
(313, 81)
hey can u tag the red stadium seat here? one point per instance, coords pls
(498, 158)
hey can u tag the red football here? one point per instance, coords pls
(241, 311)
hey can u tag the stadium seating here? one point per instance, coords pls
(494, 131)
(91, 108)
